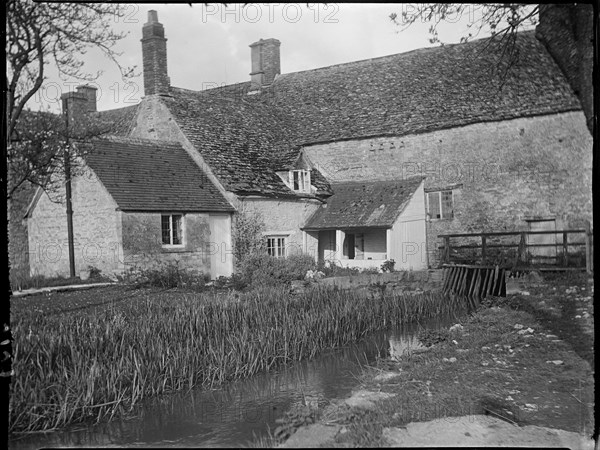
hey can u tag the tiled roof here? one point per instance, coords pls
(243, 136)
(243, 141)
(320, 183)
(423, 90)
(364, 204)
(120, 120)
(152, 175)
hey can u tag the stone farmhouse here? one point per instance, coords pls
(358, 163)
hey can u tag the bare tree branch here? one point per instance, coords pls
(58, 33)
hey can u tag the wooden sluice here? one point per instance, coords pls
(475, 282)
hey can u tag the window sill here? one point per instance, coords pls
(173, 248)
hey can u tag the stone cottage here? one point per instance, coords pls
(136, 202)
(370, 159)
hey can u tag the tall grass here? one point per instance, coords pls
(79, 366)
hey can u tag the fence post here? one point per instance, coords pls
(522, 256)
(446, 249)
(483, 239)
(565, 249)
(589, 263)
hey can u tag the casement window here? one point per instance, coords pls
(276, 246)
(440, 205)
(172, 229)
(299, 180)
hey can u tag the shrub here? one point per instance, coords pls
(168, 276)
(388, 266)
(265, 270)
(94, 272)
(235, 281)
(247, 235)
(331, 269)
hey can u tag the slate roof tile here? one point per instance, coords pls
(152, 175)
(364, 204)
(243, 141)
(245, 138)
(423, 90)
(120, 119)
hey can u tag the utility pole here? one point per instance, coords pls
(67, 161)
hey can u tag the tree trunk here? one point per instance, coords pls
(567, 32)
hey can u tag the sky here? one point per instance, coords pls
(208, 45)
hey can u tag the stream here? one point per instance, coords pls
(235, 413)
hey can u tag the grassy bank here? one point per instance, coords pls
(76, 363)
(521, 359)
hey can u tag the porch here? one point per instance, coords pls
(361, 247)
(364, 224)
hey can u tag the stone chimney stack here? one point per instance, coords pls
(266, 63)
(89, 92)
(154, 55)
(77, 104)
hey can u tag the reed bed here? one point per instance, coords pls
(95, 365)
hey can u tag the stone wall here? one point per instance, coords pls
(142, 242)
(95, 225)
(402, 281)
(284, 218)
(501, 173)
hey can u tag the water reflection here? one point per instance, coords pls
(230, 416)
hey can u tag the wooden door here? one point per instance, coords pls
(221, 258)
(546, 253)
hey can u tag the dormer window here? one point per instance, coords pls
(300, 180)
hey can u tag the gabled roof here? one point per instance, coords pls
(151, 175)
(364, 204)
(120, 119)
(244, 142)
(236, 138)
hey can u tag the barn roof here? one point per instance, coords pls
(364, 204)
(152, 175)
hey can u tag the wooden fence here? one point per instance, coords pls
(569, 250)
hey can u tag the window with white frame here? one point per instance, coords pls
(276, 246)
(440, 205)
(172, 229)
(300, 180)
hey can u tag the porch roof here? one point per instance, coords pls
(374, 204)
